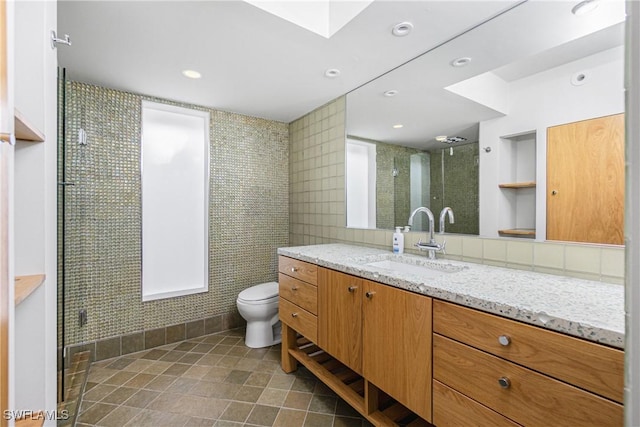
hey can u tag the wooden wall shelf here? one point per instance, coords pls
(36, 420)
(25, 131)
(518, 232)
(526, 184)
(26, 285)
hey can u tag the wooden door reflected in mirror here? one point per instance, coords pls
(585, 181)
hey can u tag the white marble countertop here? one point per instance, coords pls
(582, 308)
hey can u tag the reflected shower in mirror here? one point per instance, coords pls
(386, 182)
(430, 123)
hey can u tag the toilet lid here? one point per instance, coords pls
(260, 292)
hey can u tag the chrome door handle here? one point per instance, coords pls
(294, 314)
(352, 288)
(369, 294)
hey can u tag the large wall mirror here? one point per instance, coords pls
(449, 127)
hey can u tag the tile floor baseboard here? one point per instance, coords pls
(122, 345)
(214, 381)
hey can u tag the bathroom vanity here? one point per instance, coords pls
(411, 341)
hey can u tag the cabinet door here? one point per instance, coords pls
(585, 181)
(397, 345)
(340, 317)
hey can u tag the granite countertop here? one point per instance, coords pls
(582, 308)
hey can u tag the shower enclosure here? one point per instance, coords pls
(98, 209)
(101, 303)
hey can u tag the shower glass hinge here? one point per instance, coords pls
(55, 40)
(82, 137)
(82, 317)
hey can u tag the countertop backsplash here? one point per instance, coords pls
(588, 309)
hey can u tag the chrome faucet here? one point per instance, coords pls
(444, 212)
(432, 246)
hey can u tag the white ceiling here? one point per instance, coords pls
(261, 65)
(251, 62)
(530, 38)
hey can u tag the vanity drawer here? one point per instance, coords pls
(527, 397)
(299, 319)
(452, 409)
(298, 269)
(298, 292)
(585, 364)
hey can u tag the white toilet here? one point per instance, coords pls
(258, 305)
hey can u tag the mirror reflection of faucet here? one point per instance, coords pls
(432, 246)
(444, 212)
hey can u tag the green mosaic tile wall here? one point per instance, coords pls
(249, 214)
(461, 180)
(393, 193)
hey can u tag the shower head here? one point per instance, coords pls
(450, 139)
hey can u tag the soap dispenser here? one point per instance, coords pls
(398, 241)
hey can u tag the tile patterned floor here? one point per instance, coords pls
(213, 380)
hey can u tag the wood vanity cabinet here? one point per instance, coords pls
(397, 345)
(393, 354)
(340, 316)
(381, 332)
(499, 368)
(297, 287)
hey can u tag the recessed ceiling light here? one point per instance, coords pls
(460, 62)
(391, 93)
(585, 7)
(580, 78)
(192, 74)
(398, 126)
(332, 73)
(441, 138)
(402, 29)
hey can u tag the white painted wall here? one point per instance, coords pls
(29, 157)
(536, 103)
(7, 153)
(35, 210)
(50, 98)
(632, 213)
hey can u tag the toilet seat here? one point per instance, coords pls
(259, 294)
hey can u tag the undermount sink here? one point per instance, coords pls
(426, 269)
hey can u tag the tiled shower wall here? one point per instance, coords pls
(460, 189)
(249, 218)
(393, 196)
(317, 211)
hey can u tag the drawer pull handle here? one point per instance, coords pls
(504, 382)
(294, 288)
(294, 314)
(369, 294)
(504, 340)
(352, 288)
(294, 269)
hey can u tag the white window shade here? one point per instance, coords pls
(175, 201)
